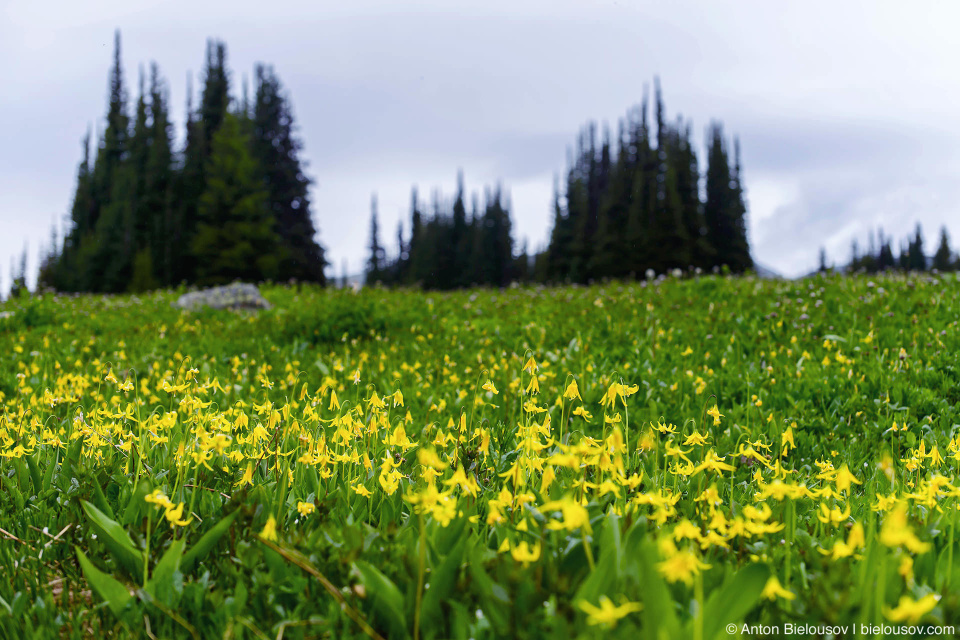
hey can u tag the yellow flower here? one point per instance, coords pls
(910, 610)
(844, 478)
(306, 508)
(715, 414)
(572, 391)
(174, 516)
(270, 529)
(681, 566)
(575, 516)
(607, 615)
(774, 590)
(525, 554)
(488, 386)
(159, 499)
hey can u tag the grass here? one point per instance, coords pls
(627, 460)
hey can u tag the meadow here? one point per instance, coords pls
(648, 460)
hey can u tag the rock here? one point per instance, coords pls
(239, 295)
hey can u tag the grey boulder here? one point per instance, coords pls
(239, 295)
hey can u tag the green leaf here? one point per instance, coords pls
(34, 474)
(206, 542)
(116, 540)
(442, 583)
(106, 586)
(734, 599)
(603, 578)
(385, 596)
(167, 580)
(658, 616)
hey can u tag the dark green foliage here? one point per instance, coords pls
(941, 259)
(376, 262)
(911, 258)
(235, 237)
(276, 149)
(146, 216)
(451, 250)
(639, 208)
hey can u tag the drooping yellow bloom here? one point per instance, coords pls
(488, 386)
(715, 414)
(306, 508)
(174, 517)
(774, 590)
(681, 566)
(269, 531)
(911, 611)
(607, 615)
(844, 478)
(572, 391)
(525, 554)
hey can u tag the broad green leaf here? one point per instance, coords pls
(106, 586)
(734, 599)
(163, 584)
(441, 587)
(206, 542)
(385, 596)
(116, 540)
(658, 616)
(604, 577)
(34, 474)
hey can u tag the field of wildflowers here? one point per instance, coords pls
(656, 460)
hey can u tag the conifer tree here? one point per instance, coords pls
(941, 259)
(277, 149)
(158, 186)
(235, 236)
(918, 260)
(375, 262)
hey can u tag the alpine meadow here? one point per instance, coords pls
(629, 426)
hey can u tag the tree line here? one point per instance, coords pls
(879, 255)
(231, 203)
(629, 205)
(449, 248)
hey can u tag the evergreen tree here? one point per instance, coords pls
(559, 254)
(941, 259)
(375, 263)
(823, 268)
(918, 260)
(417, 250)
(235, 236)
(277, 149)
(157, 201)
(113, 146)
(724, 210)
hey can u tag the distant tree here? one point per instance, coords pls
(235, 237)
(918, 260)
(18, 277)
(823, 268)
(941, 259)
(157, 203)
(376, 261)
(276, 149)
(417, 250)
(724, 209)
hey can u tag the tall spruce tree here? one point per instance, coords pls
(918, 259)
(376, 260)
(277, 150)
(941, 259)
(724, 210)
(235, 237)
(157, 199)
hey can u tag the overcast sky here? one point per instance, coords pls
(846, 111)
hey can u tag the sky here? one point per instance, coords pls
(846, 112)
